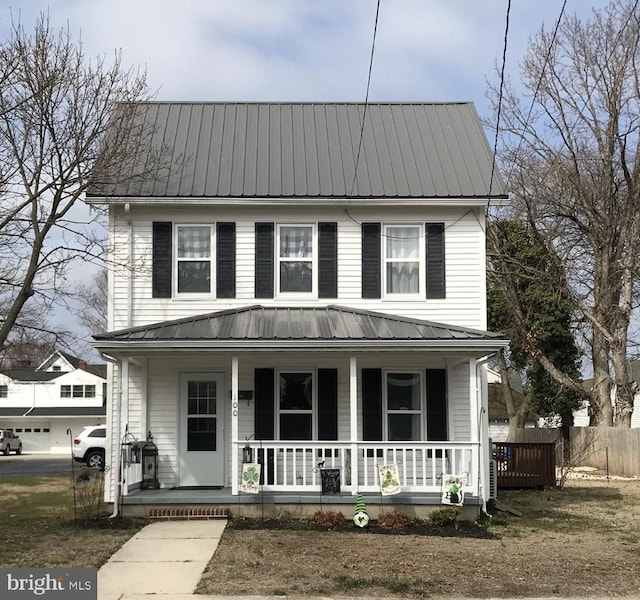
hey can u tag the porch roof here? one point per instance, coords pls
(268, 327)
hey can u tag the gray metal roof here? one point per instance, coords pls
(313, 327)
(277, 150)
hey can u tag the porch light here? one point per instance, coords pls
(150, 465)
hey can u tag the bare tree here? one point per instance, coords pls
(56, 108)
(93, 302)
(570, 149)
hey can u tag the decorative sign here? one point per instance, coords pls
(330, 480)
(453, 489)
(250, 482)
(389, 480)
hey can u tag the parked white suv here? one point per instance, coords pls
(89, 445)
(9, 442)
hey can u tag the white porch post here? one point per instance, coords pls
(475, 419)
(144, 408)
(234, 425)
(485, 448)
(353, 420)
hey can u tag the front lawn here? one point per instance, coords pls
(38, 528)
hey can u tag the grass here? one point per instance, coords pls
(39, 528)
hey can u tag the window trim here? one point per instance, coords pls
(68, 391)
(313, 294)
(385, 404)
(421, 260)
(314, 402)
(211, 259)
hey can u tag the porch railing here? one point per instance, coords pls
(296, 466)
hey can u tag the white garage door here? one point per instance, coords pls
(36, 437)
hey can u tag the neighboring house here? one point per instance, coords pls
(282, 309)
(41, 403)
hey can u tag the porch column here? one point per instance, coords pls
(475, 420)
(144, 409)
(234, 425)
(353, 420)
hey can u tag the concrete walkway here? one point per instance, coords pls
(166, 558)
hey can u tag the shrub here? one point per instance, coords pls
(444, 517)
(327, 519)
(394, 520)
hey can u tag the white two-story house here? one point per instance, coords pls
(302, 286)
(46, 405)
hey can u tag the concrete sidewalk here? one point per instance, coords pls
(165, 558)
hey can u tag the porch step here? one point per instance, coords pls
(188, 513)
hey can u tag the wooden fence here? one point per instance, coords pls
(611, 449)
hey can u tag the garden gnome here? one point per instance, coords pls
(360, 518)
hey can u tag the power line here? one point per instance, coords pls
(366, 100)
(502, 71)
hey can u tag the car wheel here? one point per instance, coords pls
(95, 460)
(7, 450)
(19, 450)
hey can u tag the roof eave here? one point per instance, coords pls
(492, 345)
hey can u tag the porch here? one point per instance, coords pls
(292, 478)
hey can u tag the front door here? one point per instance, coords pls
(202, 445)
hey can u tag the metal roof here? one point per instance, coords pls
(278, 150)
(30, 374)
(311, 327)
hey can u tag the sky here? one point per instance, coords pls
(305, 50)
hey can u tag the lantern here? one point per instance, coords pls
(150, 465)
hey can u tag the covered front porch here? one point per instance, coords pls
(340, 402)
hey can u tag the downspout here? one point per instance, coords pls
(482, 430)
(33, 402)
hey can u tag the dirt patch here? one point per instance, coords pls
(580, 541)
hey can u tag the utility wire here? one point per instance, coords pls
(502, 71)
(366, 100)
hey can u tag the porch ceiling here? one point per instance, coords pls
(321, 328)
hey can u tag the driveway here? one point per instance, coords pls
(35, 464)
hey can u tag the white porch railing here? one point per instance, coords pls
(296, 466)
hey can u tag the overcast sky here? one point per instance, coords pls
(297, 50)
(426, 50)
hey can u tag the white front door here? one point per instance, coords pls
(202, 455)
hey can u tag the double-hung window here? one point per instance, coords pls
(404, 401)
(4, 391)
(296, 260)
(194, 245)
(295, 405)
(77, 391)
(403, 259)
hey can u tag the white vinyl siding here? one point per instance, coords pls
(465, 304)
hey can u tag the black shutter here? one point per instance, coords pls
(328, 260)
(372, 405)
(264, 260)
(437, 405)
(371, 260)
(327, 404)
(264, 380)
(161, 256)
(434, 235)
(226, 260)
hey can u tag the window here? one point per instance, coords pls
(402, 259)
(57, 368)
(295, 405)
(295, 259)
(78, 391)
(193, 258)
(404, 401)
(4, 391)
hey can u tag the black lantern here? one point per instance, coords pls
(247, 454)
(150, 465)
